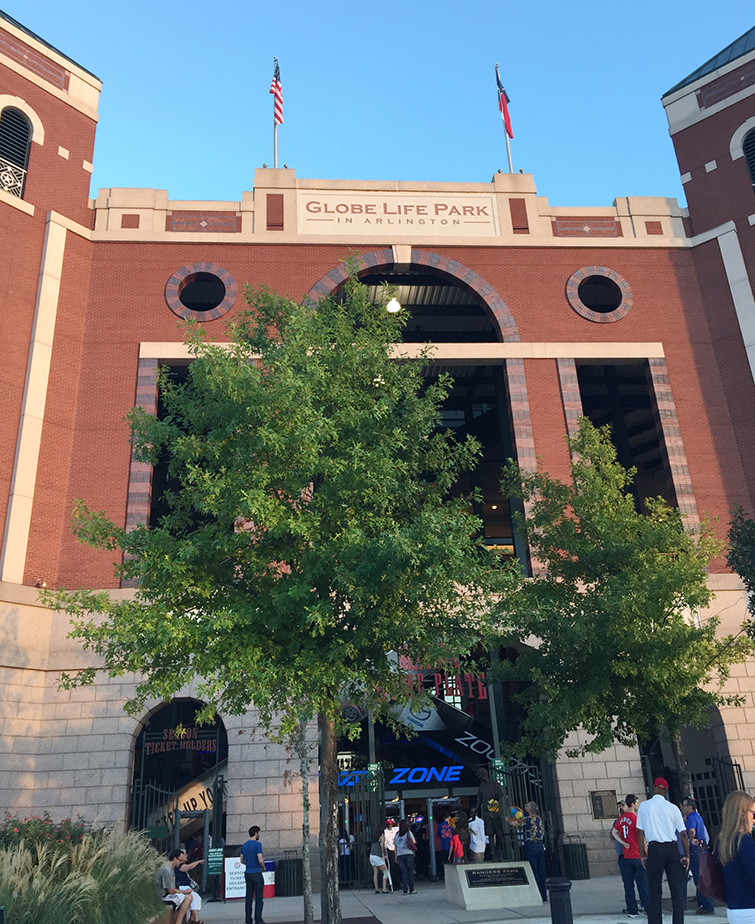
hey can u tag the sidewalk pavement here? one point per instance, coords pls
(594, 901)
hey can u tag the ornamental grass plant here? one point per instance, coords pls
(98, 878)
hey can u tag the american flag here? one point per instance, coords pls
(277, 90)
(503, 104)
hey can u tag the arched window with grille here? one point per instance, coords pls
(15, 137)
(748, 147)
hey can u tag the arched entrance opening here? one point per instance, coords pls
(179, 766)
(459, 731)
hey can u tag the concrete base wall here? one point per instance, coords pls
(71, 751)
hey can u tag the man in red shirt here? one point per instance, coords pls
(632, 871)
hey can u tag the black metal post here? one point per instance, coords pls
(558, 890)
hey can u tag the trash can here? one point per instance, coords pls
(289, 877)
(268, 878)
(575, 861)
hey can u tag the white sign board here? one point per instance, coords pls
(235, 884)
(422, 214)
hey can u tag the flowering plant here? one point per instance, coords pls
(38, 829)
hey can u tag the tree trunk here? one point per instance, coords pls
(309, 909)
(329, 898)
(682, 767)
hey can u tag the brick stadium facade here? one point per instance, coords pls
(91, 294)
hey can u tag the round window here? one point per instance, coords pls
(201, 292)
(599, 294)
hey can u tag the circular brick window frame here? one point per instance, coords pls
(176, 282)
(600, 317)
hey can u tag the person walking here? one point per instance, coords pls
(405, 849)
(659, 826)
(698, 838)
(736, 853)
(251, 853)
(632, 871)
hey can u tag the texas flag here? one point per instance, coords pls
(503, 103)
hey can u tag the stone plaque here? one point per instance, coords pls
(491, 886)
(496, 876)
(604, 804)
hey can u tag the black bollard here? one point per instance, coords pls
(559, 889)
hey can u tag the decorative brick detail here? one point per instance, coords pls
(653, 227)
(518, 209)
(587, 226)
(436, 264)
(601, 317)
(726, 86)
(140, 473)
(274, 212)
(567, 377)
(521, 421)
(665, 409)
(129, 221)
(33, 60)
(203, 222)
(174, 285)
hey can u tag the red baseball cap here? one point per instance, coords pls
(660, 783)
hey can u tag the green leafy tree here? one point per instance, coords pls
(311, 536)
(741, 558)
(618, 648)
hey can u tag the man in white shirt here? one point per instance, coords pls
(477, 839)
(660, 826)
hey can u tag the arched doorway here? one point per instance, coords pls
(448, 302)
(179, 766)
(461, 726)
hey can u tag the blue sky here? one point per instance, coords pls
(387, 91)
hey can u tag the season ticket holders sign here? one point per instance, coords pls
(417, 214)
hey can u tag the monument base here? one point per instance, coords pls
(482, 886)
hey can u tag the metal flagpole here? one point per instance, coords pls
(277, 91)
(502, 105)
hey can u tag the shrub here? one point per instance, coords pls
(41, 829)
(102, 878)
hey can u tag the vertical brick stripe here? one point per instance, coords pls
(274, 212)
(524, 440)
(665, 409)
(140, 473)
(572, 400)
(519, 223)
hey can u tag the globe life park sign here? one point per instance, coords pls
(421, 214)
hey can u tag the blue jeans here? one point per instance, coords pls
(406, 865)
(694, 867)
(255, 885)
(633, 872)
(534, 851)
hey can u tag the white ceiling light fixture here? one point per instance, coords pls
(393, 306)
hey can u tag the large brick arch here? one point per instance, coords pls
(434, 263)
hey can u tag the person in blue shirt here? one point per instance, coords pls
(736, 853)
(251, 854)
(698, 838)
